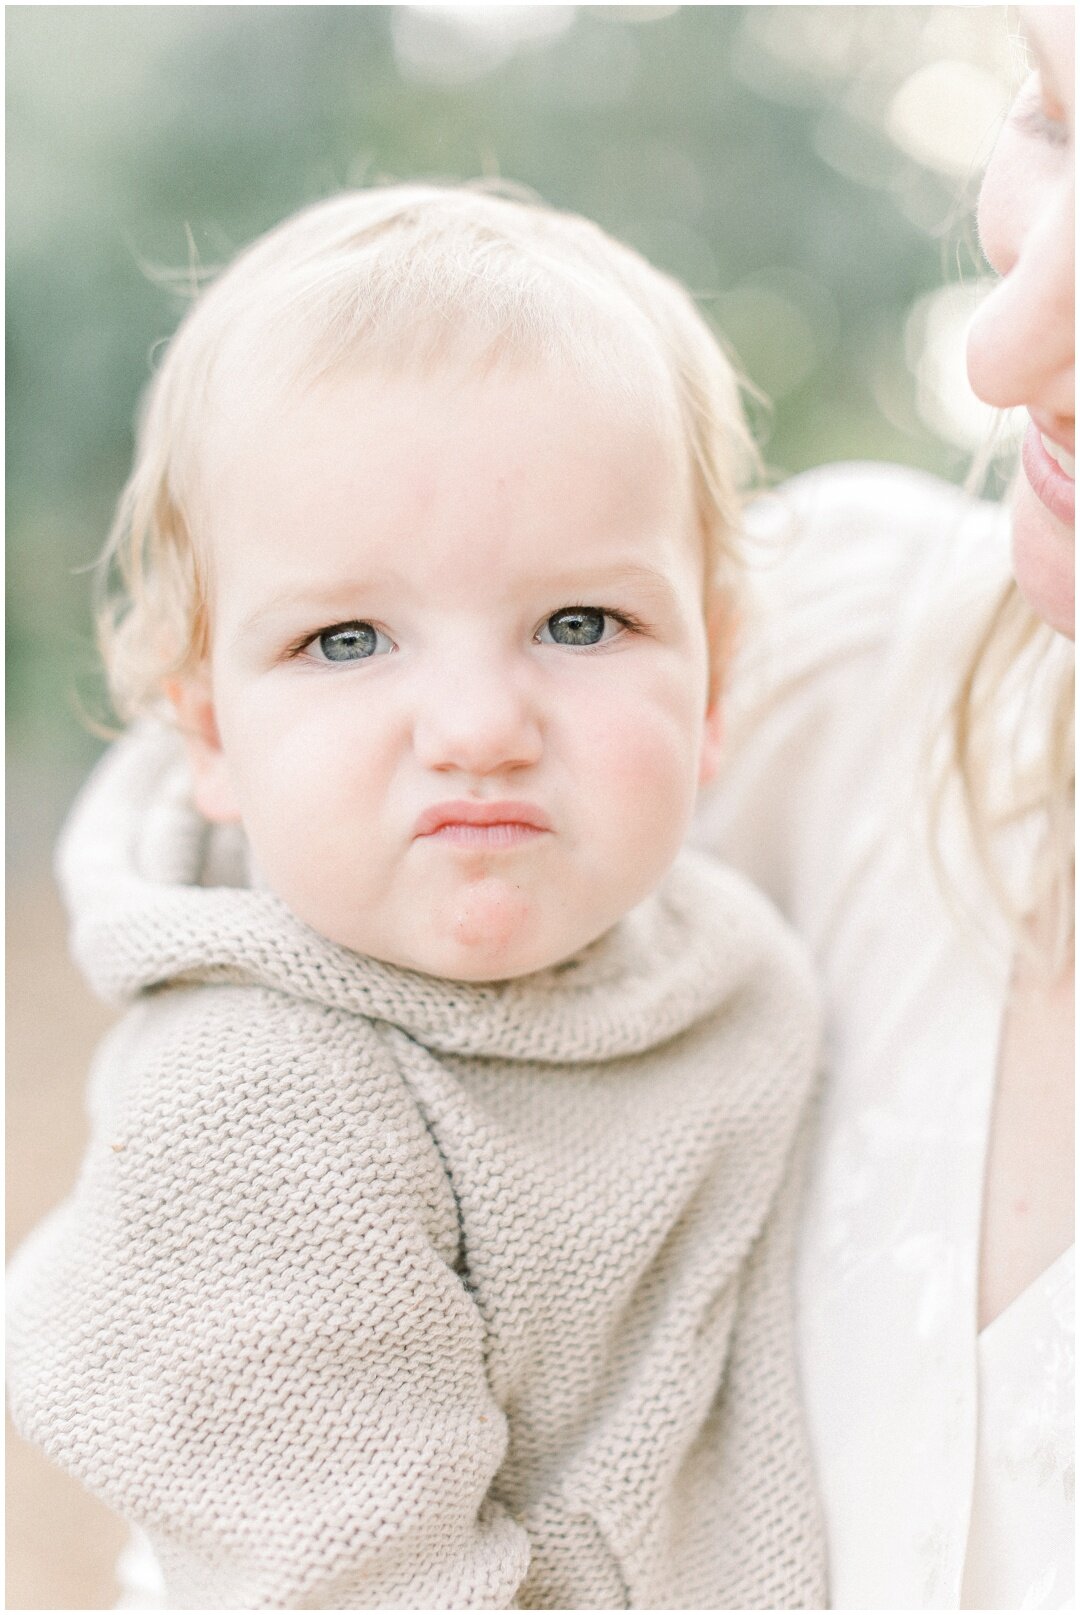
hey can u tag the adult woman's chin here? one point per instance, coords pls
(1043, 548)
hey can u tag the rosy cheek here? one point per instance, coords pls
(644, 746)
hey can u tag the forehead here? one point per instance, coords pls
(531, 462)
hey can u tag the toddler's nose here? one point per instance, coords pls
(476, 721)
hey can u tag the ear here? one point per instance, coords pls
(721, 626)
(191, 698)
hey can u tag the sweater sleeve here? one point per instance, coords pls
(245, 1330)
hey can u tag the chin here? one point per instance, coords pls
(489, 929)
(1044, 561)
(473, 973)
(476, 965)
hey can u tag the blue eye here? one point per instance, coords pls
(348, 642)
(576, 625)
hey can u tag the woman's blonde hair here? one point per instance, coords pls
(1017, 770)
(414, 276)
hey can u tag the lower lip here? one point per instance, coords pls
(486, 837)
(1048, 481)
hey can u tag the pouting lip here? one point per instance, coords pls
(480, 813)
(1049, 482)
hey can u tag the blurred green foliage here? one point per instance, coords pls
(743, 148)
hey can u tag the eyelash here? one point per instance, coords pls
(631, 624)
(1032, 120)
(299, 646)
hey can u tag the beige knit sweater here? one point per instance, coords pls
(380, 1290)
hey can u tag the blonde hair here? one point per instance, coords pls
(404, 276)
(1023, 771)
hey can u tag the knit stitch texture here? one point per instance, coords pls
(377, 1290)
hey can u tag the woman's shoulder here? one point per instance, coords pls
(876, 497)
(867, 584)
(847, 556)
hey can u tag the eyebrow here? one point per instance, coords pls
(619, 575)
(298, 602)
(1043, 58)
(574, 585)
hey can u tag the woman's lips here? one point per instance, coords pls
(1049, 480)
(482, 825)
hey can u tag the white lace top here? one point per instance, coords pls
(945, 1458)
(1020, 1542)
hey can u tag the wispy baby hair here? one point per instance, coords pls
(406, 277)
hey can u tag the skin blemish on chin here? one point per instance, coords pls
(489, 914)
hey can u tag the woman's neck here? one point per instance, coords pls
(1028, 1212)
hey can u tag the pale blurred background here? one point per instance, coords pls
(809, 171)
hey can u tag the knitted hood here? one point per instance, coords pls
(157, 895)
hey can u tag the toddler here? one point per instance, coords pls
(432, 1246)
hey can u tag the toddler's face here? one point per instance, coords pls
(457, 689)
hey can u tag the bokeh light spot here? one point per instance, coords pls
(456, 45)
(935, 343)
(945, 114)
